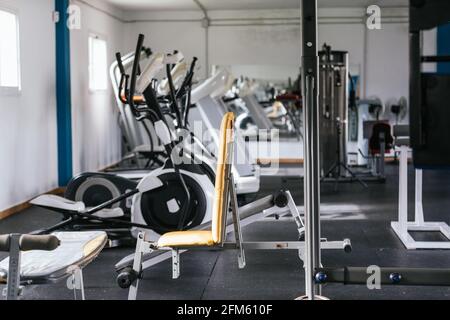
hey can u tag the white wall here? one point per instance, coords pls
(28, 126)
(388, 62)
(96, 134)
(234, 42)
(227, 45)
(28, 161)
(178, 33)
(273, 38)
(28, 153)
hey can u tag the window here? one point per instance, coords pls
(9, 51)
(98, 64)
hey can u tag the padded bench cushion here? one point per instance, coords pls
(186, 239)
(76, 250)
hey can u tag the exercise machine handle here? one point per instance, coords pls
(5, 242)
(34, 242)
(135, 71)
(174, 103)
(188, 79)
(190, 74)
(123, 85)
(120, 63)
(187, 87)
(31, 242)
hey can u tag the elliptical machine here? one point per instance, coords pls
(139, 141)
(94, 188)
(184, 185)
(177, 196)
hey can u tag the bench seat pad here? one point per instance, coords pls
(186, 239)
(77, 249)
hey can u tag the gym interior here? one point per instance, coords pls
(224, 150)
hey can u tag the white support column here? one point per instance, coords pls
(419, 218)
(403, 192)
(402, 227)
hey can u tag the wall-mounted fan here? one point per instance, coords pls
(399, 108)
(375, 107)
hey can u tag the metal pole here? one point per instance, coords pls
(415, 90)
(310, 72)
(63, 94)
(206, 22)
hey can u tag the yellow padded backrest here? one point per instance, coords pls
(223, 170)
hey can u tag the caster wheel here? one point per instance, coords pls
(126, 278)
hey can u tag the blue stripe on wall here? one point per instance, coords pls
(443, 47)
(63, 94)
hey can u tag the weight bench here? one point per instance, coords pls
(47, 259)
(225, 201)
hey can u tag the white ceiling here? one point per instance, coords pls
(244, 4)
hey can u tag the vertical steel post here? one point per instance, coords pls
(403, 192)
(13, 281)
(419, 217)
(63, 94)
(415, 86)
(310, 72)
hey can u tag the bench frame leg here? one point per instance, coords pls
(142, 247)
(76, 282)
(13, 289)
(237, 225)
(175, 264)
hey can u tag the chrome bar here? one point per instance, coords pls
(310, 71)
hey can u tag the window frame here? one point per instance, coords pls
(16, 90)
(97, 36)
